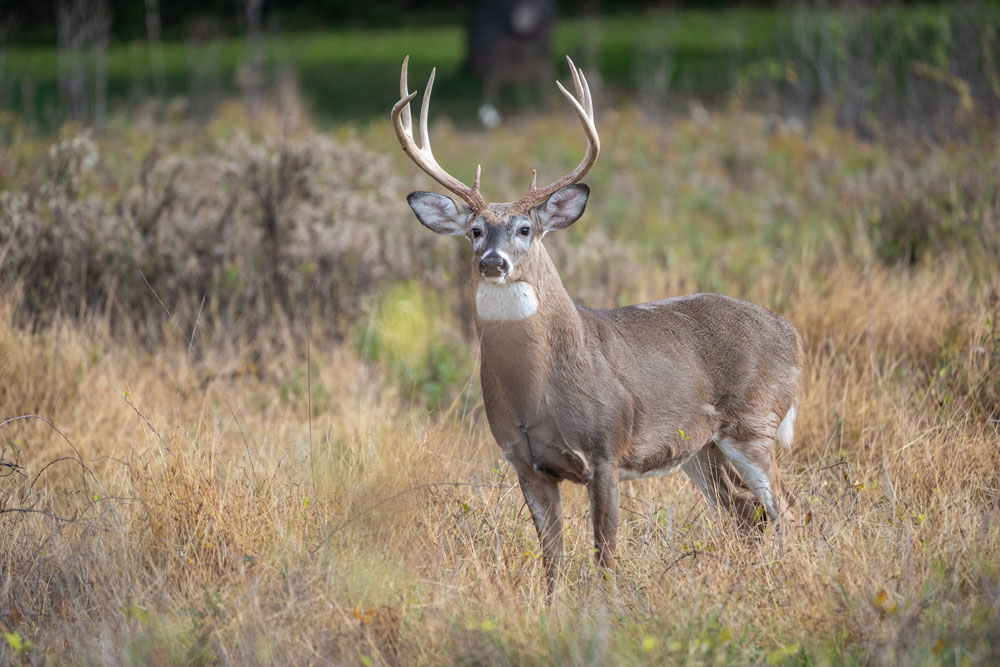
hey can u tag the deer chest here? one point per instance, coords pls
(555, 425)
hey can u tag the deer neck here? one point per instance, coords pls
(534, 311)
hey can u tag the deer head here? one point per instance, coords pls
(502, 234)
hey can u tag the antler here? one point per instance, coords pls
(422, 155)
(584, 106)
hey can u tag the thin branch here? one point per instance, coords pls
(14, 468)
(48, 465)
(689, 554)
(79, 457)
(149, 424)
(31, 510)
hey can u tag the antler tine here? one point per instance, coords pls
(425, 103)
(580, 111)
(583, 104)
(423, 155)
(404, 94)
(582, 88)
(589, 103)
(575, 73)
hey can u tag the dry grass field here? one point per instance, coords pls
(240, 419)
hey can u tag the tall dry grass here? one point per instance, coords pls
(207, 486)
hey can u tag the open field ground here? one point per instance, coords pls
(259, 437)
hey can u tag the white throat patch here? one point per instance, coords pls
(506, 301)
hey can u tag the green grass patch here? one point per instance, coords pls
(351, 74)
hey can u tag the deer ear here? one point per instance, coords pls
(439, 213)
(563, 207)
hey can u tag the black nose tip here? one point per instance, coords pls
(493, 265)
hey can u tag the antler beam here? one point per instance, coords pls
(583, 104)
(423, 155)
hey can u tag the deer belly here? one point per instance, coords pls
(624, 474)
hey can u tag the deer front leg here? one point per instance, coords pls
(603, 492)
(542, 496)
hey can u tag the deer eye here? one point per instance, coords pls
(476, 232)
(524, 231)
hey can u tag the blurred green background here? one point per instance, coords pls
(89, 58)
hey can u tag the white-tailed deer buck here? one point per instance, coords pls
(704, 383)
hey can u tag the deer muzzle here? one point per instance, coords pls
(493, 266)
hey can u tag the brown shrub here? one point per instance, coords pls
(257, 223)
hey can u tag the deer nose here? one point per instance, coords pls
(492, 266)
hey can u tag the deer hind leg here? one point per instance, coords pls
(754, 460)
(722, 485)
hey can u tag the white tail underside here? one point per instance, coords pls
(786, 429)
